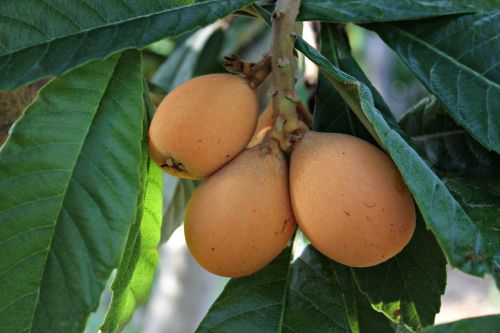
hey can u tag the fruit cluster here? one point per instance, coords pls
(346, 195)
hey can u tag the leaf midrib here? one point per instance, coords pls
(119, 22)
(63, 196)
(286, 288)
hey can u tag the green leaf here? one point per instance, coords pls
(174, 217)
(487, 5)
(478, 324)
(297, 292)
(481, 199)
(363, 318)
(69, 182)
(367, 319)
(134, 279)
(332, 114)
(408, 287)
(456, 60)
(446, 145)
(469, 171)
(314, 299)
(57, 36)
(363, 11)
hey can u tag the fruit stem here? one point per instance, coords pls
(254, 73)
(287, 127)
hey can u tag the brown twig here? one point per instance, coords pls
(288, 127)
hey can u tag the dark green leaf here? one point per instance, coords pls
(251, 304)
(174, 217)
(471, 173)
(314, 299)
(487, 5)
(368, 320)
(481, 199)
(69, 183)
(446, 145)
(471, 325)
(408, 287)
(363, 11)
(332, 114)
(57, 36)
(363, 318)
(456, 58)
(297, 292)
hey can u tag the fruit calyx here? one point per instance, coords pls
(287, 132)
(173, 167)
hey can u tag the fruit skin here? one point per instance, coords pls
(265, 119)
(264, 125)
(349, 199)
(240, 219)
(203, 124)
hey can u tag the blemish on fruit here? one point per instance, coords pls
(399, 186)
(347, 213)
(173, 165)
(213, 249)
(368, 205)
(283, 226)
